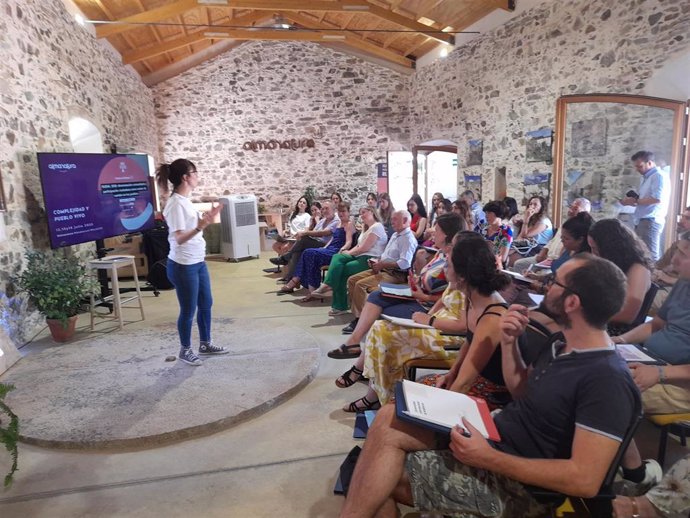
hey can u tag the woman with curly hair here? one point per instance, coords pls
(610, 239)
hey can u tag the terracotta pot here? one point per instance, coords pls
(59, 332)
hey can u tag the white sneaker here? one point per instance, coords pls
(652, 473)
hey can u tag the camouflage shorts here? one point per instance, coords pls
(672, 495)
(442, 484)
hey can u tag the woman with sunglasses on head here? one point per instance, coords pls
(186, 268)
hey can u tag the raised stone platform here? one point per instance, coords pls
(117, 390)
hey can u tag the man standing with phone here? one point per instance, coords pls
(651, 204)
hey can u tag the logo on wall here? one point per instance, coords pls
(292, 144)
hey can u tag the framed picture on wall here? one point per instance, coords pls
(475, 155)
(539, 145)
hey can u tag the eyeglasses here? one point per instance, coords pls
(552, 281)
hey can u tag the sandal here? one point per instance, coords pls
(366, 405)
(345, 352)
(323, 290)
(345, 380)
(335, 312)
(311, 297)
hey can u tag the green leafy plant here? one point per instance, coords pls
(310, 193)
(9, 435)
(56, 284)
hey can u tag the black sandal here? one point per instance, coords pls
(367, 405)
(344, 352)
(345, 380)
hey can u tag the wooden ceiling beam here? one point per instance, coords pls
(153, 15)
(361, 6)
(350, 39)
(145, 53)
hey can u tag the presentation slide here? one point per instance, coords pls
(94, 196)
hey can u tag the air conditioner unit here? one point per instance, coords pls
(239, 223)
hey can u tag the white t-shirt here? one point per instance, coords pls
(179, 214)
(300, 223)
(380, 243)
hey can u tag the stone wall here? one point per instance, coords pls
(353, 111)
(52, 69)
(506, 82)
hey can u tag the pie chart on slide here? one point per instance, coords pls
(126, 183)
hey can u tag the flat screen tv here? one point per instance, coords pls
(90, 196)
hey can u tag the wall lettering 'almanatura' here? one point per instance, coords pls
(293, 144)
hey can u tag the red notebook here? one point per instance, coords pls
(441, 409)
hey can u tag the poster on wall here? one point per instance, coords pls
(475, 156)
(536, 184)
(382, 177)
(474, 183)
(539, 145)
(589, 138)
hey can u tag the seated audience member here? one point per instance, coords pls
(426, 286)
(307, 270)
(574, 241)
(315, 211)
(472, 276)
(297, 222)
(559, 433)
(664, 273)
(336, 199)
(461, 208)
(418, 214)
(318, 237)
(553, 248)
(370, 244)
(478, 217)
(512, 205)
(496, 231)
(536, 229)
(612, 240)
(665, 389)
(670, 498)
(372, 200)
(443, 206)
(433, 214)
(391, 267)
(386, 211)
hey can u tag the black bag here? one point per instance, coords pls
(156, 249)
(347, 468)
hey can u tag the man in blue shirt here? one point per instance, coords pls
(478, 215)
(651, 205)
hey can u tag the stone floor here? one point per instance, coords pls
(281, 463)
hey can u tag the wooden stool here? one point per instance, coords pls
(112, 263)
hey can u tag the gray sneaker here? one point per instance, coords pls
(209, 349)
(187, 355)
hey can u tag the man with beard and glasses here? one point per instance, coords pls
(559, 433)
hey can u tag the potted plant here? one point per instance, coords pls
(9, 430)
(56, 285)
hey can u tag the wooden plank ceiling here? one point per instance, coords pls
(153, 35)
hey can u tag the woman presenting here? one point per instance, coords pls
(187, 269)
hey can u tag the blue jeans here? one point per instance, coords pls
(650, 232)
(193, 288)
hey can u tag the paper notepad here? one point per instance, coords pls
(518, 277)
(396, 290)
(632, 353)
(406, 322)
(441, 409)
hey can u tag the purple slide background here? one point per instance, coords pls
(75, 209)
